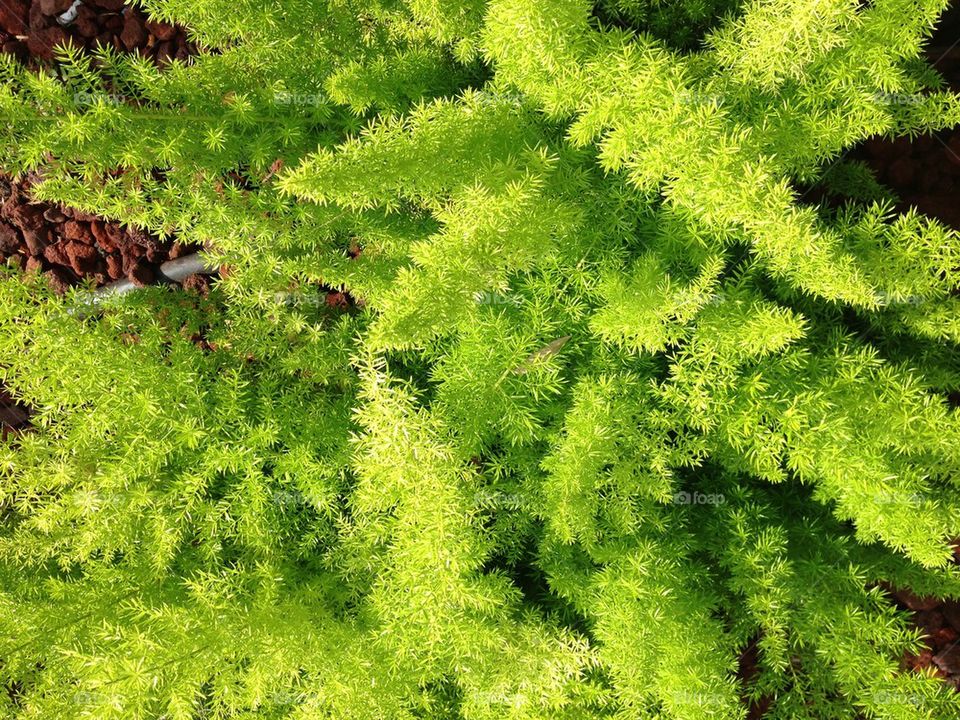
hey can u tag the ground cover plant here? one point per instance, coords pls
(605, 398)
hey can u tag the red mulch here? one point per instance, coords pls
(30, 30)
(70, 246)
(925, 172)
(939, 621)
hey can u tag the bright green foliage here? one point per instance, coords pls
(616, 401)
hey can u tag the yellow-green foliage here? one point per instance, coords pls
(615, 401)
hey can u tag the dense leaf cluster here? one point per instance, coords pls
(615, 402)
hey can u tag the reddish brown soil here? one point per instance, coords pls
(748, 669)
(14, 418)
(70, 246)
(925, 172)
(66, 245)
(29, 30)
(940, 622)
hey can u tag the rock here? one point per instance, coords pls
(86, 23)
(155, 254)
(951, 613)
(58, 280)
(22, 214)
(36, 241)
(33, 265)
(56, 254)
(140, 275)
(37, 20)
(28, 217)
(105, 38)
(948, 660)
(12, 415)
(140, 237)
(84, 217)
(197, 283)
(337, 301)
(111, 5)
(165, 53)
(114, 237)
(134, 250)
(919, 662)
(177, 250)
(14, 16)
(944, 636)
(161, 31)
(915, 603)
(134, 33)
(9, 206)
(41, 43)
(79, 231)
(17, 49)
(114, 266)
(930, 620)
(129, 259)
(83, 259)
(9, 238)
(100, 236)
(55, 7)
(73, 230)
(54, 215)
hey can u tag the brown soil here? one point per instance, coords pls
(30, 30)
(925, 172)
(66, 245)
(14, 417)
(939, 621)
(70, 246)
